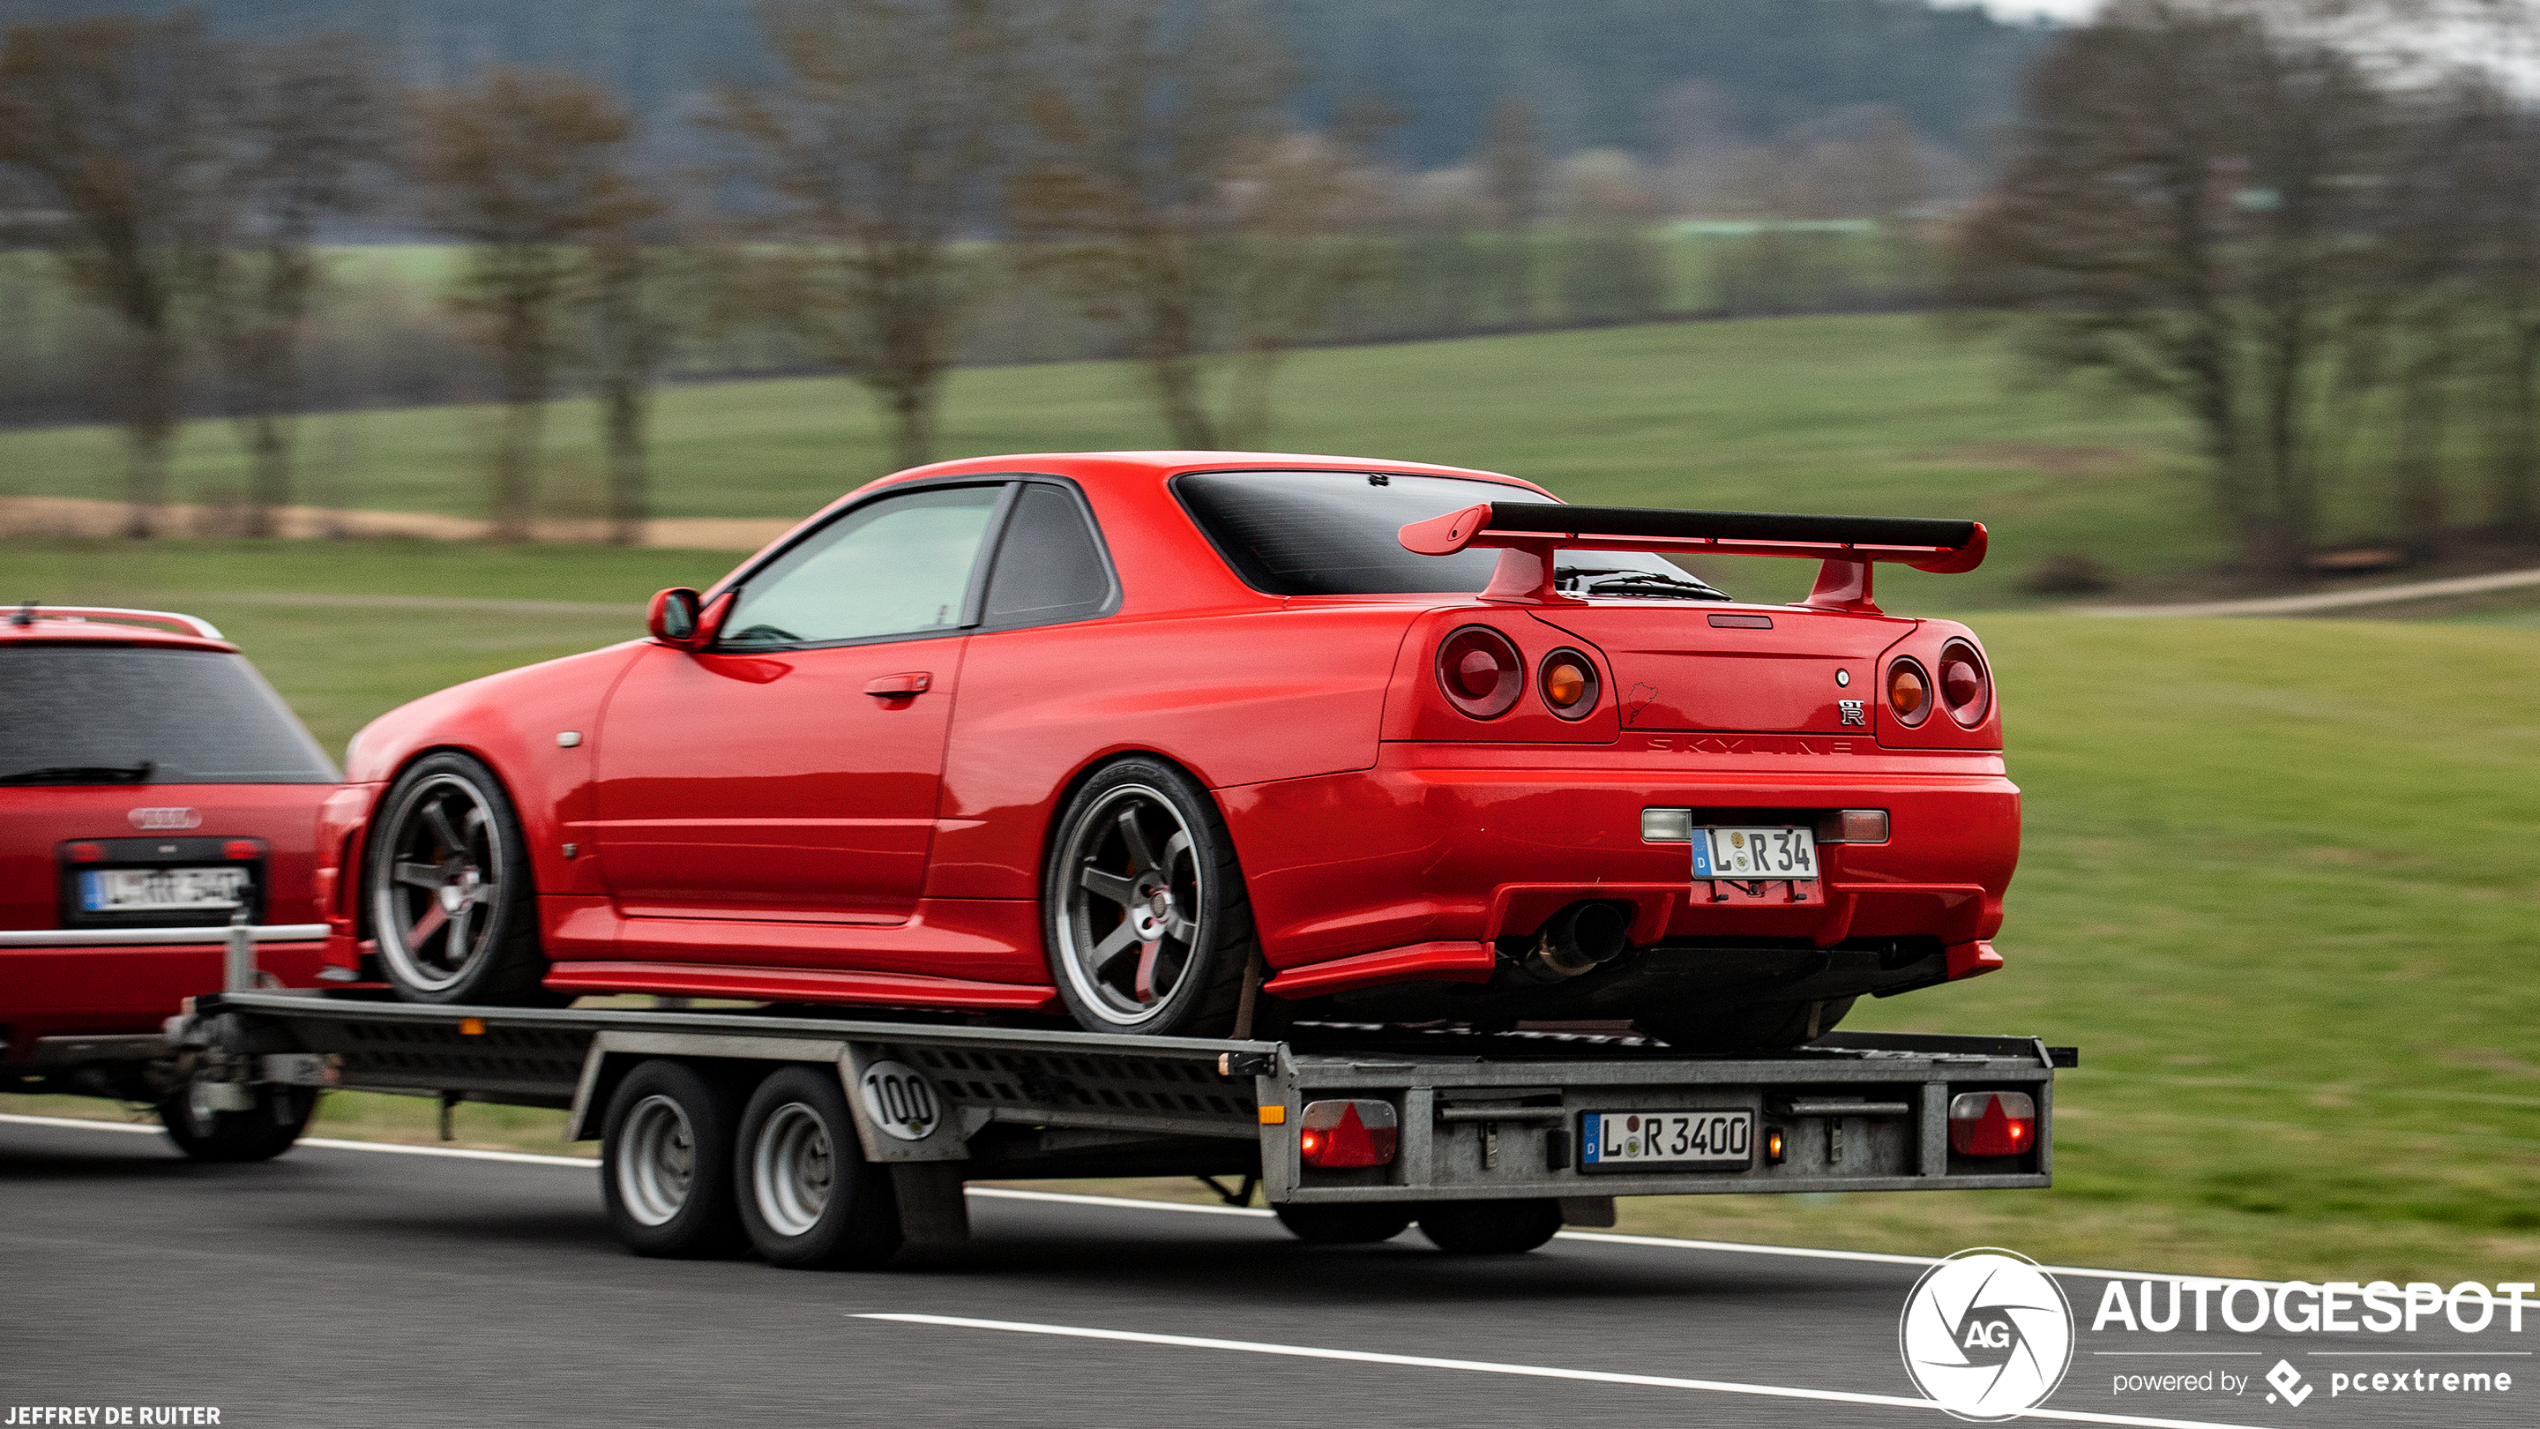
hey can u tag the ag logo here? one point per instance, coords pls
(1986, 1334)
(901, 1101)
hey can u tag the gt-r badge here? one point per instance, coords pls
(1854, 712)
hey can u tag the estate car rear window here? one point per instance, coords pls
(1339, 533)
(120, 714)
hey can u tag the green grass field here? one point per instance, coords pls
(1871, 415)
(2278, 885)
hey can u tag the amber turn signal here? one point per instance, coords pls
(1569, 684)
(1908, 692)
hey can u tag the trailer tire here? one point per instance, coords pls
(1344, 1225)
(260, 1133)
(809, 1199)
(1490, 1227)
(666, 1162)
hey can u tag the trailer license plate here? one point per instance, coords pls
(1666, 1140)
(160, 890)
(1755, 853)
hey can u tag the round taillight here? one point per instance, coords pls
(1480, 671)
(1908, 692)
(1567, 680)
(1964, 685)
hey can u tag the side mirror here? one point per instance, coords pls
(672, 619)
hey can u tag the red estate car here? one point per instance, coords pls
(1176, 742)
(151, 783)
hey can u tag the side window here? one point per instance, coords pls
(898, 566)
(1049, 566)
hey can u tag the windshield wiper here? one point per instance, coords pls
(84, 774)
(1620, 580)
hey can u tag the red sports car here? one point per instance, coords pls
(150, 782)
(1187, 742)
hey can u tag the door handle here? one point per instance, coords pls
(898, 687)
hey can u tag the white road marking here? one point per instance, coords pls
(1716, 1386)
(1729, 1247)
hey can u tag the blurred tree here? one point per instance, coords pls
(306, 128)
(527, 167)
(2191, 207)
(1513, 184)
(1165, 196)
(880, 142)
(116, 123)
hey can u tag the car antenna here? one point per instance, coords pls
(24, 615)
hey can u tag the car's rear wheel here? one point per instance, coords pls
(809, 1199)
(261, 1131)
(1490, 1227)
(666, 1162)
(450, 896)
(1755, 1027)
(1344, 1224)
(1143, 906)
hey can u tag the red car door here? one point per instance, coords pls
(792, 771)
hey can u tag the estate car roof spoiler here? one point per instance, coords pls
(1528, 533)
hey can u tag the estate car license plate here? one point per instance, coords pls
(160, 890)
(1755, 853)
(1666, 1140)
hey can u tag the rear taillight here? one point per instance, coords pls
(1347, 1133)
(87, 853)
(1480, 672)
(1908, 693)
(1568, 683)
(1964, 685)
(1992, 1123)
(242, 850)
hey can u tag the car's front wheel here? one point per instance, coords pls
(1143, 906)
(450, 896)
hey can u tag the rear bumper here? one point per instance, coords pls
(121, 988)
(1438, 844)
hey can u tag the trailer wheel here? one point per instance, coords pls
(1143, 906)
(260, 1133)
(1344, 1225)
(1489, 1227)
(666, 1162)
(808, 1197)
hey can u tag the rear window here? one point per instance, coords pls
(1340, 533)
(92, 714)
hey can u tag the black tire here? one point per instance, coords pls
(1344, 1224)
(1489, 1227)
(1143, 910)
(666, 1162)
(1755, 1027)
(809, 1199)
(448, 889)
(260, 1133)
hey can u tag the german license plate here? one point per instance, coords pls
(1755, 853)
(1666, 1140)
(160, 890)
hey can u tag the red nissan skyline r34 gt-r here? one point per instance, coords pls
(1176, 742)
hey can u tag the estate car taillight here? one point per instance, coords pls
(1347, 1133)
(1992, 1123)
(1908, 693)
(1568, 682)
(1964, 686)
(1480, 671)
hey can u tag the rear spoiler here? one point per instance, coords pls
(1527, 534)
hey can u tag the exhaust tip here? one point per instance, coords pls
(1579, 938)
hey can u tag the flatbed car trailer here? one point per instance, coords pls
(829, 1140)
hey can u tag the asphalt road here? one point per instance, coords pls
(341, 1286)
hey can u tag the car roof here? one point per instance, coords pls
(33, 624)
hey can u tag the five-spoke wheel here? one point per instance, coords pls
(1147, 926)
(450, 902)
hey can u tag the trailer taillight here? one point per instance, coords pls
(1992, 1123)
(1347, 1133)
